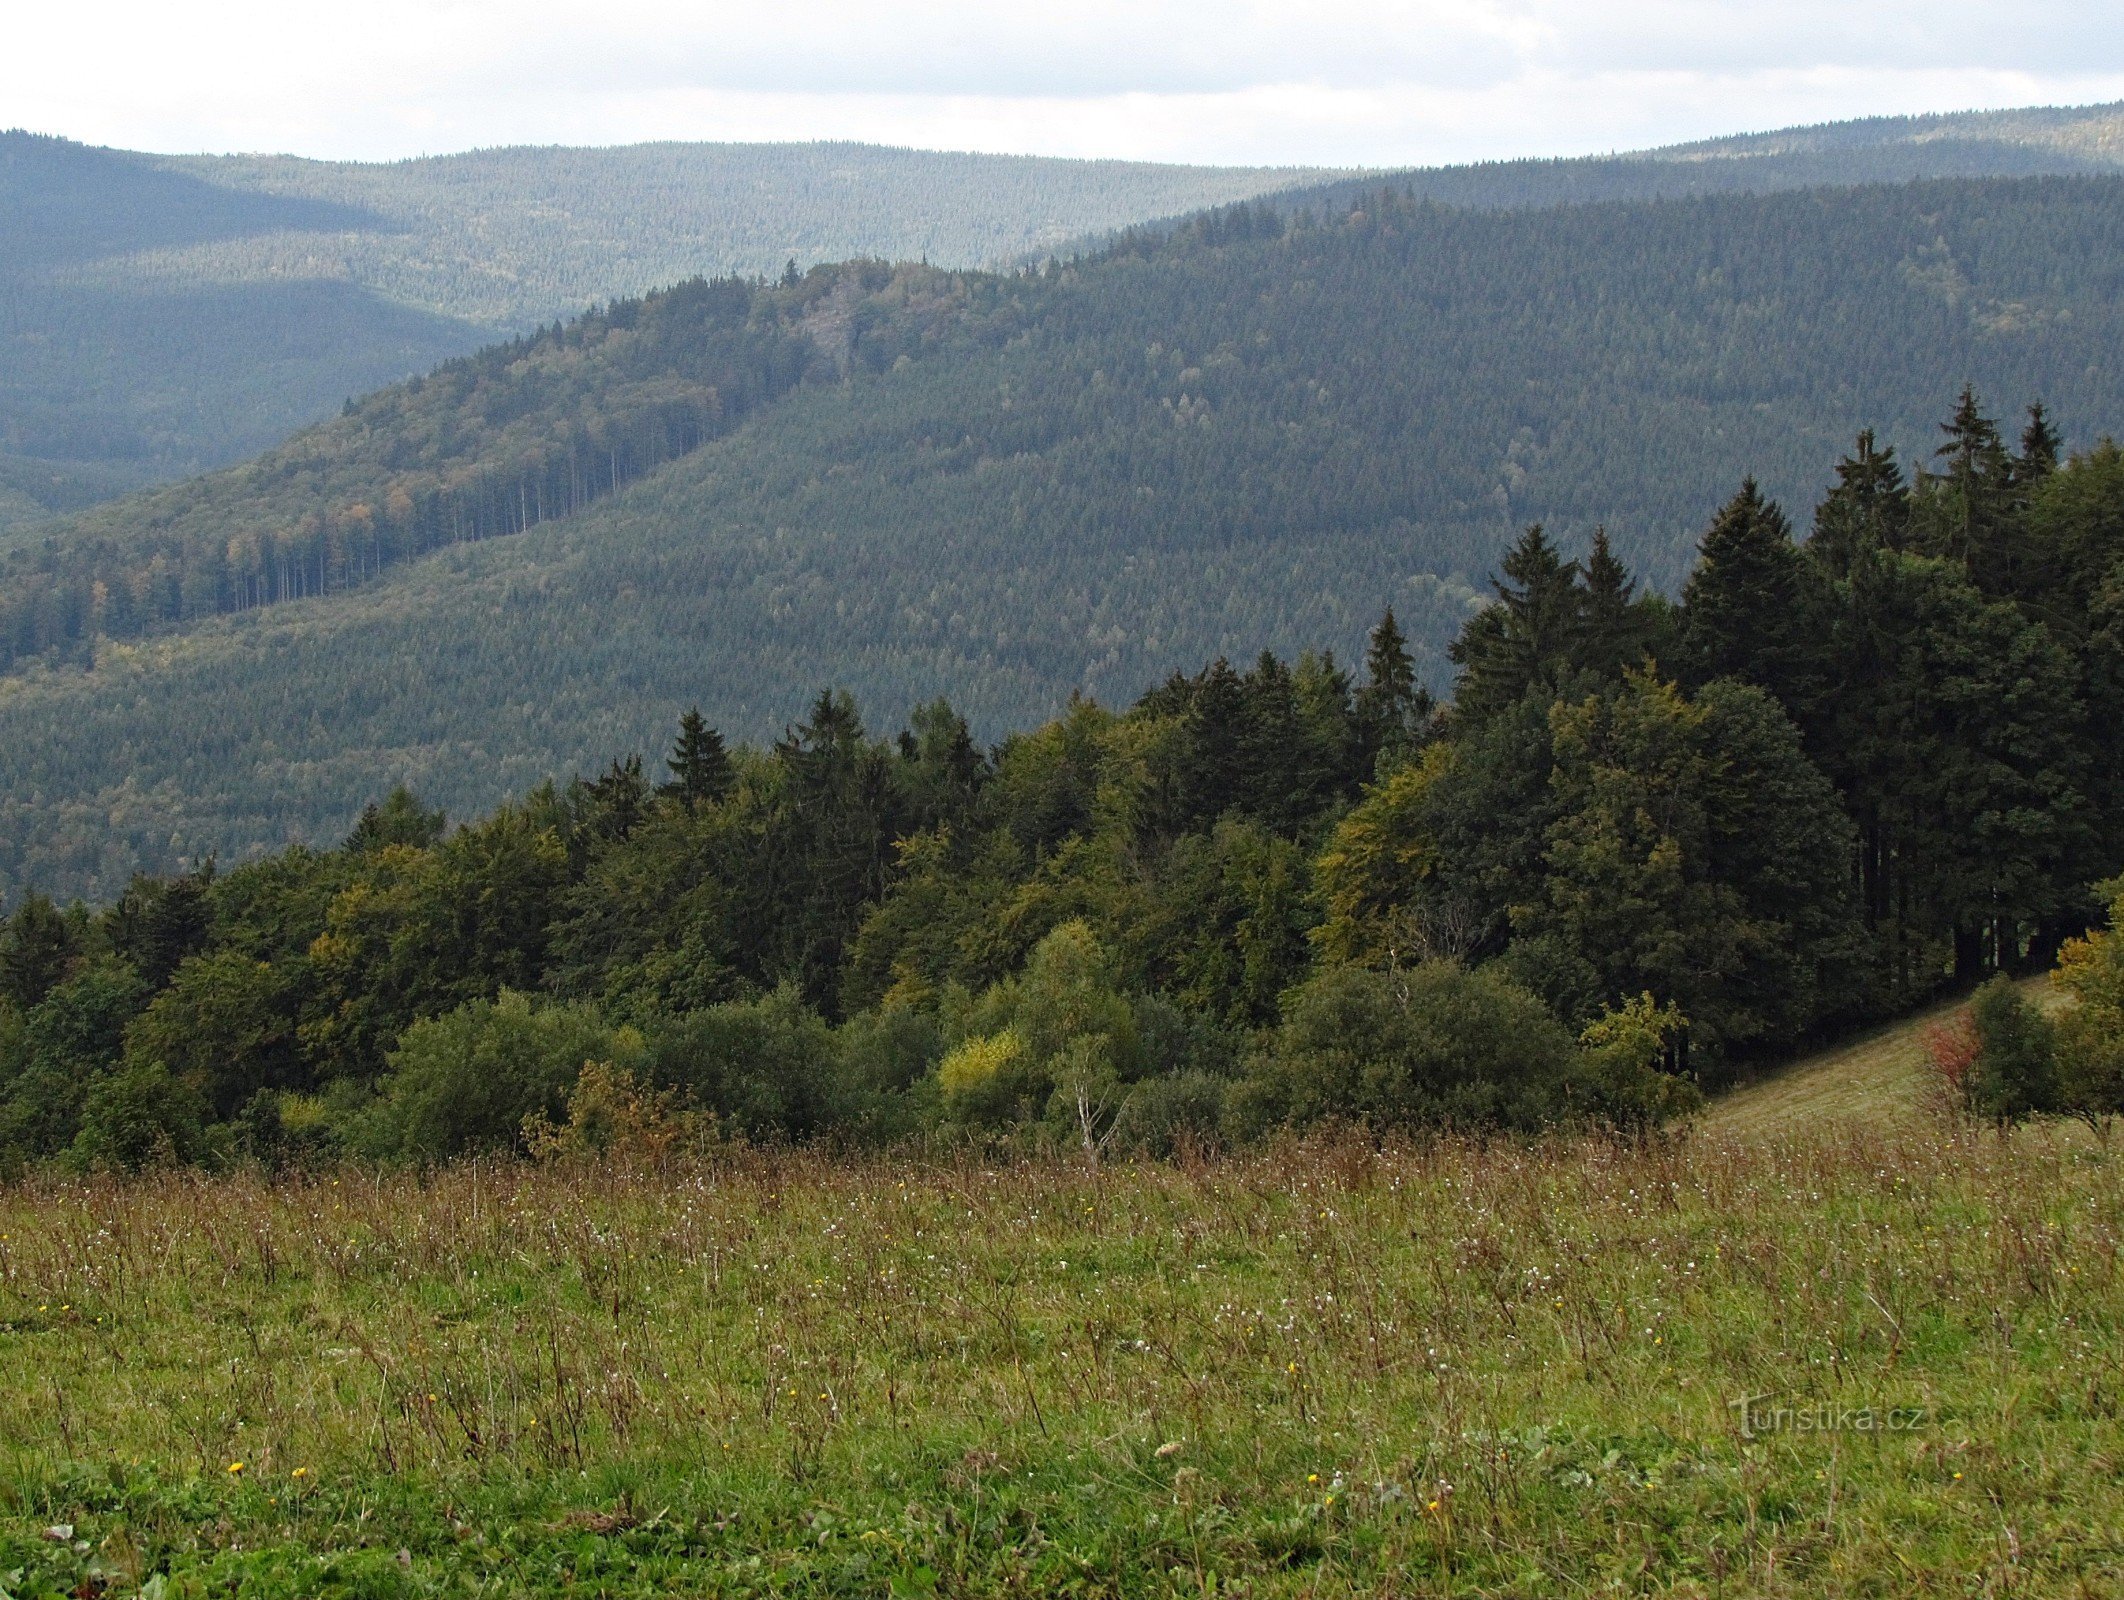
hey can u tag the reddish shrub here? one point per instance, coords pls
(1952, 1047)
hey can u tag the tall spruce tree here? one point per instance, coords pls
(1272, 747)
(1754, 608)
(1214, 761)
(940, 768)
(36, 949)
(616, 801)
(700, 765)
(1392, 708)
(1526, 638)
(1333, 758)
(177, 924)
(2040, 448)
(1954, 737)
(1967, 508)
(824, 852)
(2076, 522)
(1869, 509)
(1614, 630)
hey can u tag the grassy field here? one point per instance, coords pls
(1501, 1370)
(1882, 1079)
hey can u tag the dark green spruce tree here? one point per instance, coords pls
(1214, 761)
(1615, 628)
(1523, 640)
(700, 766)
(36, 950)
(824, 852)
(1754, 608)
(2040, 448)
(616, 801)
(156, 924)
(1272, 748)
(1393, 709)
(1868, 509)
(941, 770)
(1969, 504)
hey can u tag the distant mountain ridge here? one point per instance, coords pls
(2039, 142)
(2093, 135)
(517, 236)
(163, 315)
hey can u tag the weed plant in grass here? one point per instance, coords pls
(1496, 1369)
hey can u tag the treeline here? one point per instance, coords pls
(487, 445)
(1648, 841)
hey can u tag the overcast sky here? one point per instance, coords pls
(1373, 82)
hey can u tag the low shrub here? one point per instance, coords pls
(140, 1116)
(767, 1068)
(2014, 1074)
(1433, 1046)
(468, 1079)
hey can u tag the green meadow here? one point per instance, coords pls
(1810, 1360)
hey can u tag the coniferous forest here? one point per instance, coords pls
(1255, 431)
(162, 315)
(1645, 843)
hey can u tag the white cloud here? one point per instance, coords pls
(1381, 82)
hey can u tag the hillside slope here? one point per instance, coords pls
(109, 380)
(2090, 135)
(160, 315)
(2037, 142)
(1882, 1079)
(1239, 438)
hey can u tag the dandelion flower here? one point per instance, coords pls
(235, 1469)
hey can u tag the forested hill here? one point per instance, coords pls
(486, 445)
(509, 238)
(2092, 136)
(1007, 489)
(160, 315)
(2037, 142)
(163, 315)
